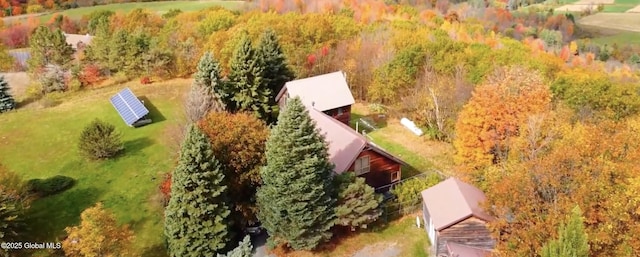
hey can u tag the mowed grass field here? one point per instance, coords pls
(160, 7)
(621, 6)
(40, 143)
(615, 21)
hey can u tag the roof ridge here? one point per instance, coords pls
(458, 184)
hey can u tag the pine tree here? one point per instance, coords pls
(246, 90)
(207, 85)
(296, 200)
(572, 239)
(243, 250)
(197, 217)
(6, 100)
(358, 204)
(49, 47)
(276, 72)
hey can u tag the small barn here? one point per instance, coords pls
(130, 108)
(459, 250)
(328, 93)
(78, 41)
(351, 151)
(453, 217)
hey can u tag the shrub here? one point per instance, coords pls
(35, 8)
(165, 188)
(120, 77)
(145, 80)
(50, 186)
(99, 140)
(52, 79)
(90, 75)
(408, 192)
(50, 100)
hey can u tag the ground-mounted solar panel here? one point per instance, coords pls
(130, 108)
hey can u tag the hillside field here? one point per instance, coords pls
(160, 7)
(40, 143)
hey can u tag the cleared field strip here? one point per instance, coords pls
(634, 9)
(619, 21)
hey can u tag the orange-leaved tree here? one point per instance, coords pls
(493, 115)
(97, 235)
(593, 166)
(238, 142)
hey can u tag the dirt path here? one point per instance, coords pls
(379, 250)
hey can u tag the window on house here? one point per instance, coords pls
(362, 165)
(395, 176)
(340, 111)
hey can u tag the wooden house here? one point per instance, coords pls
(351, 151)
(328, 93)
(453, 216)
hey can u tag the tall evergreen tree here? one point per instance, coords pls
(49, 47)
(296, 200)
(197, 216)
(243, 250)
(207, 84)
(6, 100)
(276, 72)
(358, 204)
(572, 239)
(246, 90)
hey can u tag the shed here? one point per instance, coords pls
(452, 214)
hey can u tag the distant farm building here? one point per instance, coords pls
(454, 220)
(328, 93)
(130, 108)
(78, 41)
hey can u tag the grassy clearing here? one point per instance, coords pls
(40, 143)
(401, 234)
(623, 38)
(159, 7)
(420, 153)
(618, 8)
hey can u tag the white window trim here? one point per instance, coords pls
(397, 176)
(359, 169)
(340, 111)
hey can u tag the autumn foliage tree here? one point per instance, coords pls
(591, 165)
(239, 141)
(97, 235)
(493, 116)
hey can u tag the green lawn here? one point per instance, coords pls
(160, 7)
(620, 39)
(39, 143)
(617, 8)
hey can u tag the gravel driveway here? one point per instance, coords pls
(379, 250)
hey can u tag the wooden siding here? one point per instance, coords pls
(471, 231)
(283, 99)
(380, 169)
(345, 117)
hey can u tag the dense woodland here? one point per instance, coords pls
(540, 122)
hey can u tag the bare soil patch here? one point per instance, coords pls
(18, 82)
(576, 7)
(619, 21)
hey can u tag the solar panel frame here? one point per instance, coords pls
(128, 106)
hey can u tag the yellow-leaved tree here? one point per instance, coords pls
(97, 235)
(494, 114)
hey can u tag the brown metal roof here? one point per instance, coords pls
(459, 250)
(345, 144)
(452, 201)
